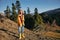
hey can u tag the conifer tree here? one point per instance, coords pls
(37, 17)
(28, 10)
(7, 12)
(18, 5)
(14, 14)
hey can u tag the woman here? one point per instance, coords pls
(21, 24)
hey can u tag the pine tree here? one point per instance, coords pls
(28, 10)
(18, 5)
(14, 14)
(36, 11)
(24, 12)
(7, 12)
(37, 17)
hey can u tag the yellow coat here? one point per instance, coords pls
(21, 19)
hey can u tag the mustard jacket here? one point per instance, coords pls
(21, 19)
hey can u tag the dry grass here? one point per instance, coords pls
(51, 34)
(9, 31)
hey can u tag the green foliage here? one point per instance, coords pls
(58, 21)
(57, 31)
(37, 17)
(14, 14)
(18, 5)
(28, 10)
(36, 11)
(13, 17)
(24, 12)
(29, 21)
(13, 7)
(38, 20)
(7, 12)
(51, 18)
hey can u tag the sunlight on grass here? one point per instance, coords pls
(52, 34)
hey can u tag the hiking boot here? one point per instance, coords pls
(23, 36)
(20, 36)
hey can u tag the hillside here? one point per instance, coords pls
(52, 15)
(9, 31)
(54, 11)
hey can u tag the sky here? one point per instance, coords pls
(42, 5)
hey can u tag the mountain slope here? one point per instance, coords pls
(9, 31)
(54, 11)
(52, 15)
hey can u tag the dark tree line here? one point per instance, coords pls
(12, 14)
(31, 21)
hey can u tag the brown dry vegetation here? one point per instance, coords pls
(9, 31)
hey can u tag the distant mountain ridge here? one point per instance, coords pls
(52, 15)
(52, 11)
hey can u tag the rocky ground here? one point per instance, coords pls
(9, 31)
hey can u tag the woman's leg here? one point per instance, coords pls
(22, 29)
(20, 32)
(23, 32)
(19, 29)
